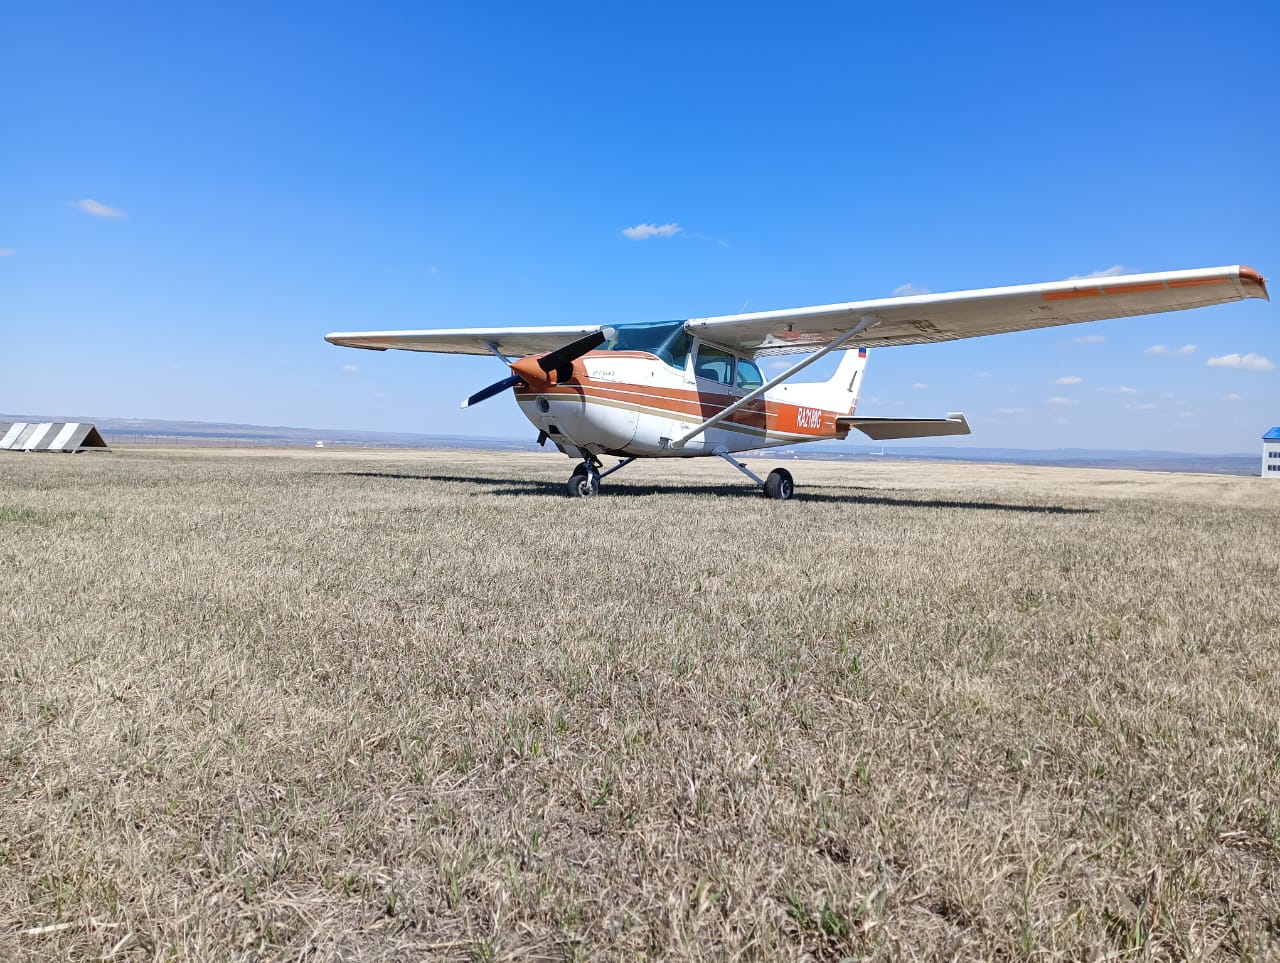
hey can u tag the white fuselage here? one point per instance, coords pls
(632, 403)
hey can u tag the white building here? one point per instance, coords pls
(1271, 454)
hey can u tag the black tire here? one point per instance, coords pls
(583, 485)
(779, 485)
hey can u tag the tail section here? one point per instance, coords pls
(845, 384)
(837, 393)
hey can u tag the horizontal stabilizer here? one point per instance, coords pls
(886, 429)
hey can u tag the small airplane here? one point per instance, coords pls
(683, 389)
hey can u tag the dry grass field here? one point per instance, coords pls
(381, 706)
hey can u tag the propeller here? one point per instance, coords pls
(531, 371)
(571, 352)
(497, 388)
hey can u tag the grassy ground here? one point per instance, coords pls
(329, 705)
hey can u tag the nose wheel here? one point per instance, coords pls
(584, 482)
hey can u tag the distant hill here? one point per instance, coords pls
(1235, 463)
(144, 431)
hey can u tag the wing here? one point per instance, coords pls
(885, 429)
(919, 319)
(513, 342)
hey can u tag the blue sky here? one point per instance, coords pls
(190, 199)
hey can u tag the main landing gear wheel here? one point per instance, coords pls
(583, 484)
(779, 485)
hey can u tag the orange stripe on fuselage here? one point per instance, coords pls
(694, 406)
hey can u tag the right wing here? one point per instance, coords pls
(886, 429)
(513, 342)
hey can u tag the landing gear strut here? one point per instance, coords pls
(779, 485)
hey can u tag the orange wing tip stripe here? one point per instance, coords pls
(1067, 295)
(1247, 274)
(1198, 282)
(1136, 288)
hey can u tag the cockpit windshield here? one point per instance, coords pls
(667, 339)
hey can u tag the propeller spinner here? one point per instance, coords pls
(536, 371)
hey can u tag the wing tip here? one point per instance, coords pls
(344, 340)
(1252, 276)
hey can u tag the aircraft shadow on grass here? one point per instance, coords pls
(621, 489)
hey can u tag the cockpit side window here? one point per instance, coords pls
(714, 365)
(749, 377)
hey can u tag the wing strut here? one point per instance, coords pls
(866, 321)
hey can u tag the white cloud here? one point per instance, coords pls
(982, 374)
(1157, 349)
(1141, 406)
(1233, 397)
(1246, 362)
(907, 290)
(1091, 339)
(1165, 349)
(1059, 400)
(1011, 411)
(920, 386)
(641, 232)
(1188, 349)
(1068, 380)
(96, 208)
(1113, 271)
(1121, 390)
(350, 368)
(7, 252)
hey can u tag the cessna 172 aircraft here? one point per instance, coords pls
(680, 389)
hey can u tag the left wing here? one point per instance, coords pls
(514, 342)
(919, 319)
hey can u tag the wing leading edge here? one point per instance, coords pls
(512, 341)
(921, 319)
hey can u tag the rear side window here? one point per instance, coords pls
(714, 365)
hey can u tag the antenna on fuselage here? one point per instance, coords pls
(744, 306)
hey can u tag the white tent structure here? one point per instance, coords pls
(50, 436)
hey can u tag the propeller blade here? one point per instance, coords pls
(562, 357)
(497, 388)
